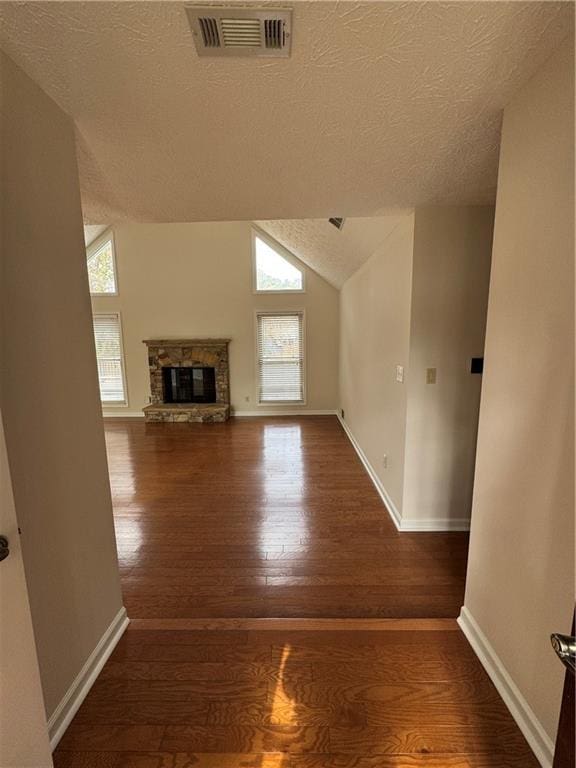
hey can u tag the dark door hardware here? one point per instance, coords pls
(565, 647)
(4, 549)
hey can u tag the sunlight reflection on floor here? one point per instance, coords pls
(283, 486)
(283, 709)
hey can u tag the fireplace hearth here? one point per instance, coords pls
(189, 380)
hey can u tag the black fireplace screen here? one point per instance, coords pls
(189, 385)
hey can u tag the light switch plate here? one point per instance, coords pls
(400, 373)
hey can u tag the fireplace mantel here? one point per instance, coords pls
(186, 342)
(185, 353)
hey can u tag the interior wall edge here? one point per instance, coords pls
(57, 461)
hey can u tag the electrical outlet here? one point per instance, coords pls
(430, 375)
(385, 461)
(400, 374)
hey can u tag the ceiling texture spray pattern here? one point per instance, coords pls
(381, 104)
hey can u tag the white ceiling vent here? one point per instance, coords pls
(220, 31)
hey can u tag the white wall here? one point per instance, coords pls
(195, 280)
(419, 302)
(520, 584)
(452, 251)
(23, 732)
(374, 338)
(49, 388)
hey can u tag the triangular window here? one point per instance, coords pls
(101, 270)
(274, 272)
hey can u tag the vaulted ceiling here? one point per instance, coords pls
(334, 254)
(381, 104)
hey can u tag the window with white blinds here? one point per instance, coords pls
(280, 357)
(108, 338)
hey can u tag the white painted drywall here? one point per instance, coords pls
(375, 338)
(451, 271)
(49, 388)
(24, 739)
(520, 584)
(419, 302)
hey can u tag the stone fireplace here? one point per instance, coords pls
(189, 380)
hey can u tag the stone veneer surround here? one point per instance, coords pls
(209, 353)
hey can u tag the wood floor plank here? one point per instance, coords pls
(206, 671)
(155, 712)
(122, 690)
(433, 670)
(111, 738)
(199, 636)
(245, 738)
(188, 581)
(170, 760)
(225, 654)
(286, 712)
(234, 712)
(457, 714)
(502, 759)
(300, 625)
(442, 647)
(427, 739)
(404, 695)
(297, 606)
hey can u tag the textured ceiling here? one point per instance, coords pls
(334, 254)
(381, 104)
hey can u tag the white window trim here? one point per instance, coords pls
(290, 258)
(92, 250)
(120, 403)
(274, 313)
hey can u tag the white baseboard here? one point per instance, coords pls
(435, 524)
(539, 741)
(140, 415)
(388, 503)
(75, 695)
(415, 526)
(303, 412)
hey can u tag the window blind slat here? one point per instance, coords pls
(109, 358)
(280, 357)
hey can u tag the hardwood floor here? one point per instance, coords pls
(266, 517)
(220, 526)
(398, 695)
